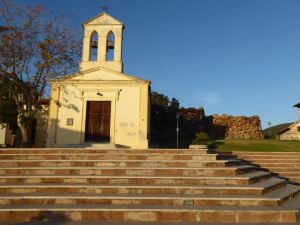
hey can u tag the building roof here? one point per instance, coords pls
(103, 18)
(99, 68)
(288, 128)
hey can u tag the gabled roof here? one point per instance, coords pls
(289, 127)
(297, 105)
(99, 68)
(103, 19)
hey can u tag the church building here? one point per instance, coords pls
(100, 104)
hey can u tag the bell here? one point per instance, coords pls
(94, 44)
(110, 44)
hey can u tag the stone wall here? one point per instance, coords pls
(235, 127)
(219, 126)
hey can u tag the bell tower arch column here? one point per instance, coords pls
(86, 46)
(118, 46)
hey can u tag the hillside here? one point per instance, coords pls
(271, 132)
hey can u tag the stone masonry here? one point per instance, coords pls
(219, 126)
(236, 127)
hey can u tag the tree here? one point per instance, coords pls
(159, 100)
(159, 105)
(163, 117)
(8, 109)
(174, 105)
(34, 47)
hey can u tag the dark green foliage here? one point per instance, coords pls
(159, 100)
(174, 105)
(163, 117)
(8, 108)
(192, 121)
(164, 123)
(201, 138)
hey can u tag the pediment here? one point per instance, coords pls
(100, 74)
(103, 19)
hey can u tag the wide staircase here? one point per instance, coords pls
(140, 186)
(284, 164)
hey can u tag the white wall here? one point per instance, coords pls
(125, 113)
(2, 134)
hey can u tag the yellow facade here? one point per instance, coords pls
(100, 81)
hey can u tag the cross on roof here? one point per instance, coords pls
(105, 8)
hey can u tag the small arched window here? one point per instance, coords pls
(110, 46)
(94, 46)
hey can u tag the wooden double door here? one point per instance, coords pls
(98, 115)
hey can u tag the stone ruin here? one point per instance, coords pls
(219, 126)
(235, 127)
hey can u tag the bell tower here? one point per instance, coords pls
(102, 43)
(298, 107)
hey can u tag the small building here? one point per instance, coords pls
(100, 103)
(293, 131)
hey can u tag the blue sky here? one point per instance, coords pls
(239, 57)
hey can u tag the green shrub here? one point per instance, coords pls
(201, 138)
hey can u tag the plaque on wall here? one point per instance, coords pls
(69, 121)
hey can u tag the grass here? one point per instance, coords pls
(264, 145)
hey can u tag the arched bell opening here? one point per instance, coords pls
(110, 46)
(94, 46)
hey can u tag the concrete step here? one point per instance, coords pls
(287, 174)
(120, 163)
(284, 193)
(269, 156)
(261, 161)
(265, 153)
(93, 156)
(62, 222)
(258, 188)
(281, 165)
(92, 145)
(271, 199)
(294, 179)
(284, 164)
(134, 199)
(242, 179)
(285, 169)
(150, 171)
(149, 213)
(102, 151)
